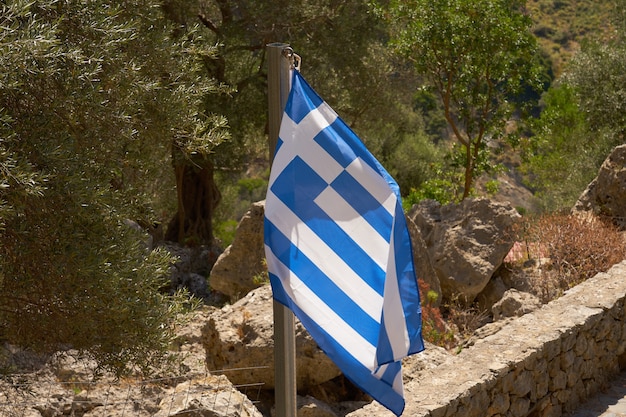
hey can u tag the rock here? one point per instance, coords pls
(241, 336)
(146, 239)
(511, 189)
(606, 194)
(466, 242)
(421, 260)
(13, 357)
(515, 303)
(188, 341)
(235, 270)
(212, 396)
(493, 292)
(487, 330)
(196, 283)
(311, 407)
(191, 268)
(432, 356)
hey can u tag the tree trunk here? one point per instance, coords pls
(197, 198)
(469, 170)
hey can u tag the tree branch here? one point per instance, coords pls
(209, 24)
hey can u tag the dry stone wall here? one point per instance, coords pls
(544, 363)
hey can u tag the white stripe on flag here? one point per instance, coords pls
(307, 149)
(394, 320)
(355, 226)
(324, 316)
(374, 183)
(331, 264)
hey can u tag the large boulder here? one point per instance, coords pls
(606, 194)
(422, 264)
(241, 336)
(238, 268)
(466, 242)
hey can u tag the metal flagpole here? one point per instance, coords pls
(279, 63)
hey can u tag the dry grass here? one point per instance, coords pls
(567, 250)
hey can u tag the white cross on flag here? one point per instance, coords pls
(338, 249)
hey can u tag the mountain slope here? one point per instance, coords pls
(561, 25)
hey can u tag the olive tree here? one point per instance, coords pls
(598, 75)
(344, 57)
(476, 55)
(94, 99)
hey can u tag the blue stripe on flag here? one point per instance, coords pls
(391, 372)
(302, 101)
(384, 351)
(362, 201)
(298, 185)
(344, 145)
(278, 291)
(320, 284)
(278, 145)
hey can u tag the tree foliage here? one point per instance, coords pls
(559, 159)
(341, 45)
(582, 119)
(343, 56)
(598, 75)
(476, 56)
(93, 98)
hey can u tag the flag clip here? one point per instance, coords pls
(294, 59)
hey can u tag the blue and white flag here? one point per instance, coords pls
(338, 248)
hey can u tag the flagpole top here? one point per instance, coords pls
(294, 59)
(287, 52)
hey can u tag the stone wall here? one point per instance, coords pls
(542, 364)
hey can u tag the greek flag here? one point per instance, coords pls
(338, 249)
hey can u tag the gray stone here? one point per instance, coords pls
(212, 396)
(191, 267)
(422, 263)
(606, 194)
(466, 242)
(493, 292)
(414, 366)
(311, 407)
(238, 269)
(515, 303)
(241, 336)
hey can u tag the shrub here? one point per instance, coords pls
(570, 249)
(465, 319)
(434, 328)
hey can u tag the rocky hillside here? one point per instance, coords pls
(561, 25)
